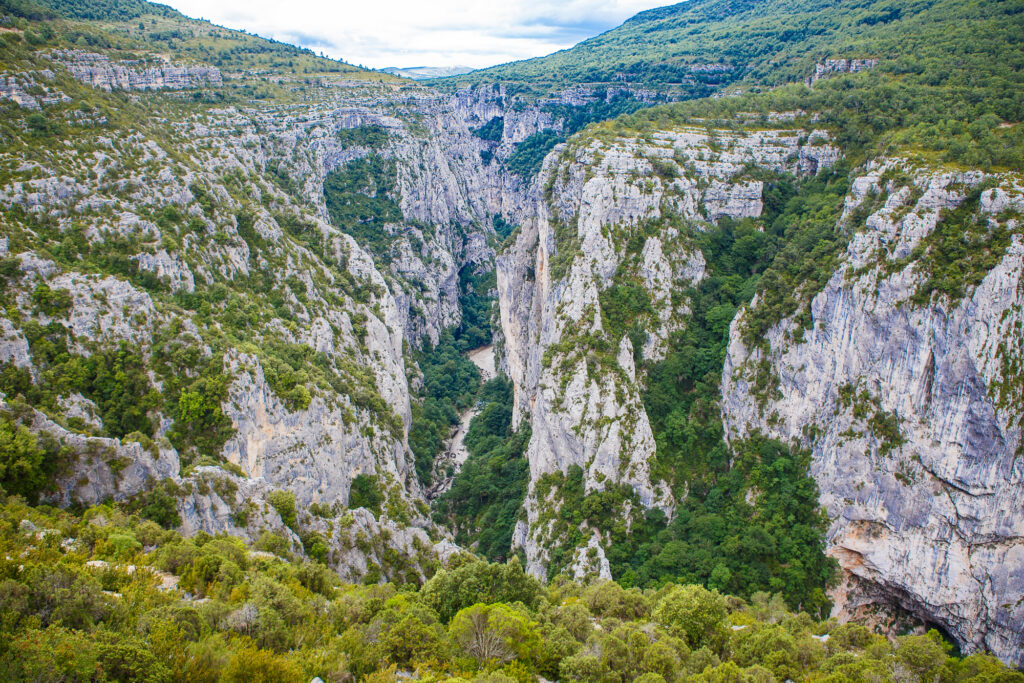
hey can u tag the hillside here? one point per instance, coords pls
(722, 312)
(758, 409)
(130, 26)
(693, 49)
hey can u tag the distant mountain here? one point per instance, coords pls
(150, 28)
(419, 73)
(691, 49)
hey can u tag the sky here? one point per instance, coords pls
(406, 33)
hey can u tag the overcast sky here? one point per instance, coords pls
(404, 33)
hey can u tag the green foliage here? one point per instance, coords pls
(949, 71)
(484, 501)
(947, 85)
(258, 665)
(502, 227)
(492, 130)
(804, 220)
(115, 379)
(624, 310)
(493, 633)
(55, 303)
(529, 154)
(294, 371)
(360, 199)
(731, 513)
(476, 581)
(957, 255)
(284, 503)
(450, 380)
(104, 10)
(195, 388)
(278, 620)
(717, 532)
(476, 299)
(695, 614)
(159, 504)
(372, 136)
(28, 461)
(365, 493)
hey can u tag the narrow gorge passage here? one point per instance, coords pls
(454, 454)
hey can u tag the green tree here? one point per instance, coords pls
(22, 462)
(251, 664)
(695, 614)
(476, 581)
(493, 633)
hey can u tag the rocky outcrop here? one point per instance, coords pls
(911, 409)
(99, 71)
(94, 469)
(315, 452)
(590, 230)
(357, 544)
(840, 66)
(28, 90)
(447, 195)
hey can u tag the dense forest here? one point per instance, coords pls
(107, 595)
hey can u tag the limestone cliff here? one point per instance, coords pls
(200, 247)
(911, 405)
(574, 373)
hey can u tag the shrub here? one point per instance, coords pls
(695, 614)
(365, 493)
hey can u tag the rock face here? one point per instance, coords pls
(358, 544)
(585, 409)
(99, 71)
(315, 452)
(102, 468)
(447, 195)
(912, 410)
(235, 219)
(840, 66)
(27, 90)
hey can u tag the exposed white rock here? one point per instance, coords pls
(14, 346)
(315, 452)
(100, 72)
(932, 521)
(589, 562)
(78, 407)
(175, 272)
(582, 411)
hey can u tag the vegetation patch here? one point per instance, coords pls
(361, 199)
(486, 498)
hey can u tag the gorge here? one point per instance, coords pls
(719, 319)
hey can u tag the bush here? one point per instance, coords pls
(256, 665)
(284, 503)
(365, 493)
(451, 590)
(695, 614)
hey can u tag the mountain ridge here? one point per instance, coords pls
(763, 343)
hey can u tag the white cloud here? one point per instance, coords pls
(380, 33)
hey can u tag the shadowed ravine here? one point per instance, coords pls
(454, 454)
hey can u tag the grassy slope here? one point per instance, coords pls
(763, 41)
(151, 29)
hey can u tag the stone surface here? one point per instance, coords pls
(99, 71)
(932, 524)
(588, 414)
